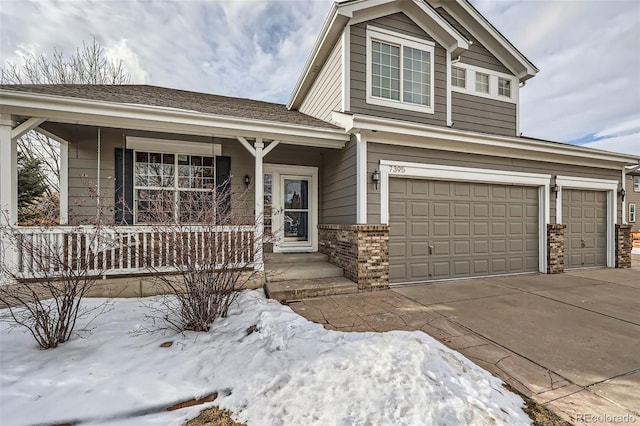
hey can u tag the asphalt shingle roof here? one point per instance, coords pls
(174, 98)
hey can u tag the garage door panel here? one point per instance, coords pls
(585, 214)
(475, 229)
(398, 229)
(397, 208)
(398, 250)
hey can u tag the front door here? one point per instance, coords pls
(291, 207)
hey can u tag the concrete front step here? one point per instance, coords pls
(301, 271)
(279, 258)
(289, 291)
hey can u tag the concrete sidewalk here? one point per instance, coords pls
(569, 341)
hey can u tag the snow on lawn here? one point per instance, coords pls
(290, 371)
(635, 250)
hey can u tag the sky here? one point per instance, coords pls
(588, 52)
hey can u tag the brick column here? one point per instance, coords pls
(623, 246)
(362, 251)
(555, 249)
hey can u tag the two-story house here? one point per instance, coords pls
(399, 154)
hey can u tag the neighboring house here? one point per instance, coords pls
(632, 198)
(400, 145)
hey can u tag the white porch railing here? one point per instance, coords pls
(130, 249)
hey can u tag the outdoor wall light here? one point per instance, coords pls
(622, 193)
(247, 181)
(375, 178)
(555, 189)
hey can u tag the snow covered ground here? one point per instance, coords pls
(635, 250)
(290, 371)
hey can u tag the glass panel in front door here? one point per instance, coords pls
(296, 209)
(268, 206)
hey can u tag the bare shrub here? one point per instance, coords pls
(49, 270)
(211, 255)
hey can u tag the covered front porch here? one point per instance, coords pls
(112, 160)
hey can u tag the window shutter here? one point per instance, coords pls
(124, 186)
(223, 185)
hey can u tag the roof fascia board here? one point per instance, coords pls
(395, 128)
(144, 117)
(433, 24)
(459, 8)
(329, 35)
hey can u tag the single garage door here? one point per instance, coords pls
(585, 214)
(442, 229)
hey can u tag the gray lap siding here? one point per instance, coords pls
(379, 151)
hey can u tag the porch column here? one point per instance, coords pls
(8, 189)
(362, 178)
(259, 206)
(64, 183)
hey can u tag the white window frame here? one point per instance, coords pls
(453, 67)
(175, 188)
(390, 37)
(510, 85)
(632, 212)
(636, 183)
(481, 74)
(494, 76)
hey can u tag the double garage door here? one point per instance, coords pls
(443, 229)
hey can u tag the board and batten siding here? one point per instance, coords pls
(484, 115)
(477, 54)
(378, 151)
(325, 94)
(338, 186)
(399, 23)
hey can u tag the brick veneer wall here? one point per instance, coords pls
(623, 246)
(362, 251)
(555, 248)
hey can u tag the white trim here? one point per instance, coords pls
(170, 146)
(258, 178)
(623, 205)
(449, 85)
(494, 76)
(361, 182)
(402, 40)
(64, 184)
(346, 69)
(278, 170)
(402, 169)
(404, 133)
(63, 109)
(26, 127)
(270, 148)
(611, 186)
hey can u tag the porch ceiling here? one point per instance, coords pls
(262, 120)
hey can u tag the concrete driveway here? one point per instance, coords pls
(570, 341)
(582, 327)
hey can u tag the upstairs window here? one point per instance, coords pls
(399, 71)
(458, 77)
(504, 87)
(636, 184)
(482, 82)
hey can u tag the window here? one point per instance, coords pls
(632, 212)
(399, 71)
(482, 83)
(458, 77)
(504, 87)
(167, 185)
(636, 184)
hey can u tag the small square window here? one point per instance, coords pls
(504, 87)
(482, 83)
(632, 212)
(458, 77)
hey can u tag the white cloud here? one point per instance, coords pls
(627, 144)
(588, 51)
(130, 61)
(620, 128)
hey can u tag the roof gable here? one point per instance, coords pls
(424, 14)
